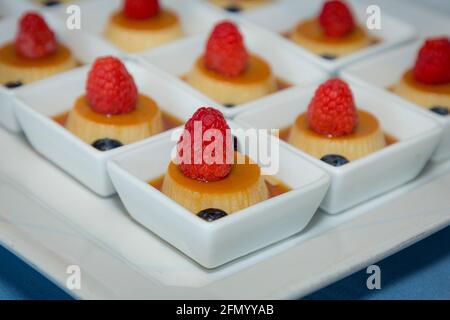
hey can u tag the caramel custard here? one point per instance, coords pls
(163, 20)
(258, 70)
(312, 30)
(169, 120)
(9, 56)
(367, 138)
(443, 89)
(146, 108)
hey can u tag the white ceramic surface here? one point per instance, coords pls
(83, 46)
(360, 180)
(40, 101)
(385, 70)
(95, 14)
(178, 58)
(214, 243)
(283, 15)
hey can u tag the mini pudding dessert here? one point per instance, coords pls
(239, 5)
(428, 82)
(142, 24)
(113, 113)
(333, 34)
(333, 130)
(34, 54)
(208, 177)
(229, 74)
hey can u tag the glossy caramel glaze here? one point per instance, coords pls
(256, 71)
(409, 79)
(274, 187)
(367, 125)
(169, 121)
(9, 56)
(145, 109)
(164, 19)
(241, 176)
(312, 30)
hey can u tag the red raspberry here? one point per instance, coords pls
(110, 89)
(141, 9)
(433, 62)
(206, 169)
(225, 50)
(336, 19)
(332, 110)
(34, 39)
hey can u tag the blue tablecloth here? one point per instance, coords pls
(421, 271)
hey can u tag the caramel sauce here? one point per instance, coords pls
(256, 70)
(369, 125)
(9, 56)
(164, 19)
(311, 29)
(169, 121)
(274, 186)
(408, 77)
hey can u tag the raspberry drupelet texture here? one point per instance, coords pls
(433, 62)
(141, 9)
(225, 50)
(206, 171)
(332, 110)
(34, 39)
(336, 19)
(110, 89)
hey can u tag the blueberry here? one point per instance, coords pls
(334, 160)
(233, 9)
(235, 143)
(211, 214)
(442, 111)
(13, 84)
(51, 3)
(229, 105)
(328, 56)
(106, 144)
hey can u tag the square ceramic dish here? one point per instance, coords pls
(50, 97)
(360, 180)
(287, 65)
(281, 16)
(194, 18)
(83, 46)
(214, 243)
(385, 70)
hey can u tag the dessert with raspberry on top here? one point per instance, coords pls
(334, 33)
(212, 184)
(34, 54)
(142, 24)
(239, 5)
(333, 129)
(227, 72)
(112, 112)
(428, 82)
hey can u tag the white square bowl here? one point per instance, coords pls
(360, 180)
(84, 47)
(37, 103)
(383, 71)
(178, 58)
(212, 244)
(281, 16)
(95, 14)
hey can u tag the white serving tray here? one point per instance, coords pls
(51, 221)
(51, 232)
